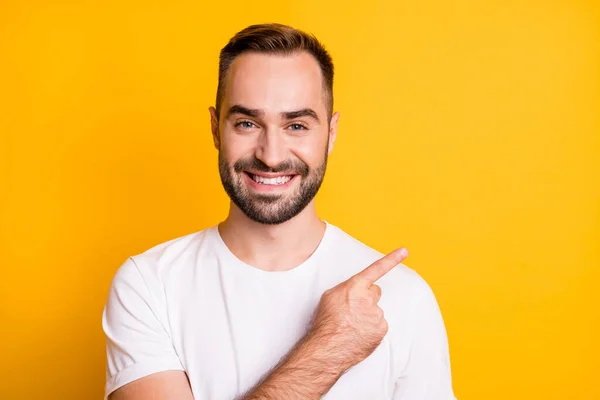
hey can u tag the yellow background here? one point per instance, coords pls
(469, 133)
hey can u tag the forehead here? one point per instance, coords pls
(275, 83)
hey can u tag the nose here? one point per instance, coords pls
(271, 148)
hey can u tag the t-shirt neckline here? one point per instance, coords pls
(306, 265)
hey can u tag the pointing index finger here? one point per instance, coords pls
(382, 266)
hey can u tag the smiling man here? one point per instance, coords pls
(273, 302)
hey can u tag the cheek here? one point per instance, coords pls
(235, 147)
(311, 151)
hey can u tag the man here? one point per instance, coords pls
(273, 303)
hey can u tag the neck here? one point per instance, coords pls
(272, 247)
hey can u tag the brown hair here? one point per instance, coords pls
(275, 39)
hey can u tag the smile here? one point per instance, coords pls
(278, 180)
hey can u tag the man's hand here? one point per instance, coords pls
(348, 320)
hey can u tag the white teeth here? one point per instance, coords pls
(280, 180)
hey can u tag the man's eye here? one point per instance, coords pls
(297, 127)
(245, 125)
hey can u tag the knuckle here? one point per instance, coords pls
(326, 294)
(375, 296)
(377, 290)
(384, 326)
(373, 300)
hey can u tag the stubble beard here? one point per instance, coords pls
(276, 208)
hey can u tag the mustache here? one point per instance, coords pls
(288, 167)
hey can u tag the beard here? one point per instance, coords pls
(271, 209)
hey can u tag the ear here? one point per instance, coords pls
(333, 127)
(214, 127)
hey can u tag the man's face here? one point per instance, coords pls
(273, 134)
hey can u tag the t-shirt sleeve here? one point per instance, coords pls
(137, 341)
(427, 374)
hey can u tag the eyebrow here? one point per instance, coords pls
(305, 112)
(237, 109)
(255, 113)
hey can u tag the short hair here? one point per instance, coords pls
(275, 39)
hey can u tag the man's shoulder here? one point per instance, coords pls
(171, 249)
(360, 255)
(350, 247)
(159, 259)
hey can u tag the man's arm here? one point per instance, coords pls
(141, 360)
(171, 385)
(307, 372)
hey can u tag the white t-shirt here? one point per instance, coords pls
(190, 304)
